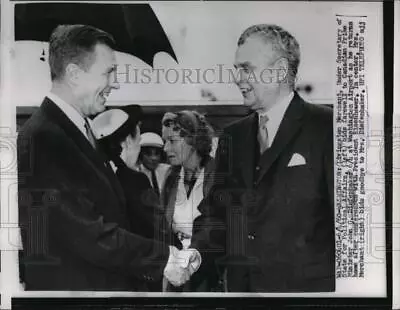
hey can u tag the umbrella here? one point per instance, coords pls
(134, 27)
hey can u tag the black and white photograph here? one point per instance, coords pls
(396, 160)
(194, 149)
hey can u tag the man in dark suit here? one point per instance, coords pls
(271, 210)
(72, 209)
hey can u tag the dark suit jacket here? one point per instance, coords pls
(73, 217)
(273, 222)
(206, 278)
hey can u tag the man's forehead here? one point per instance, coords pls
(105, 55)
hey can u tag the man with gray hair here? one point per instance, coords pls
(271, 210)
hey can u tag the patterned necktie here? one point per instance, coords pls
(262, 136)
(155, 183)
(90, 134)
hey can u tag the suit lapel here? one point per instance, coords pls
(57, 115)
(248, 147)
(288, 128)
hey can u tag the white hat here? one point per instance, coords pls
(108, 122)
(151, 139)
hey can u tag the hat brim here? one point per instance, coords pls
(135, 115)
(152, 145)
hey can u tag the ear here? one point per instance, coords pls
(282, 65)
(73, 73)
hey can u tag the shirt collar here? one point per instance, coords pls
(70, 112)
(275, 116)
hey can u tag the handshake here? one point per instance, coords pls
(181, 265)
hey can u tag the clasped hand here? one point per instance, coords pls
(181, 265)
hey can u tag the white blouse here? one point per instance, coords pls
(186, 209)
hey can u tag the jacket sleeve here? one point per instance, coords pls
(75, 220)
(209, 229)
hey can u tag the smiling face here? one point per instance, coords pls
(97, 82)
(178, 151)
(258, 66)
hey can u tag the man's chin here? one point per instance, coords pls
(250, 104)
(100, 108)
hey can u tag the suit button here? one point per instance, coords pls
(251, 237)
(258, 168)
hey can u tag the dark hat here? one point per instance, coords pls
(114, 126)
(117, 123)
(108, 123)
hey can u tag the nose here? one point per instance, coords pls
(166, 146)
(154, 157)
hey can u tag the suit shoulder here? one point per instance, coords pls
(132, 177)
(34, 129)
(319, 110)
(44, 134)
(320, 114)
(232, 126)
(39, 125)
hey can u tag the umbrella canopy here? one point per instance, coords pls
(135, 27)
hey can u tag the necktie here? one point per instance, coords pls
(89, 133)
(155, 183)
(263, 133)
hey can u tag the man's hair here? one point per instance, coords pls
(74, 44)
(281, 41)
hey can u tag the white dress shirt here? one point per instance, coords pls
(70, 112)
(275, 116)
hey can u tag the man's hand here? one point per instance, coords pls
(181, 265)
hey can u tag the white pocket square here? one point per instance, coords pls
(296, 160)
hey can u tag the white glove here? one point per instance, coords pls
(181, 265)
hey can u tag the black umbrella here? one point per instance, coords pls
(134, 27)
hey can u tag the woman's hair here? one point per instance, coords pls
(194, 127)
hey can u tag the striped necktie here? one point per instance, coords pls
(90, 134)
(262, 135)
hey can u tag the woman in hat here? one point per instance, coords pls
(188, 143)
(150, 160)
(118, 135)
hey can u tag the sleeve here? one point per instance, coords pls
(141, 200)
(85, 232)
(209, 229)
